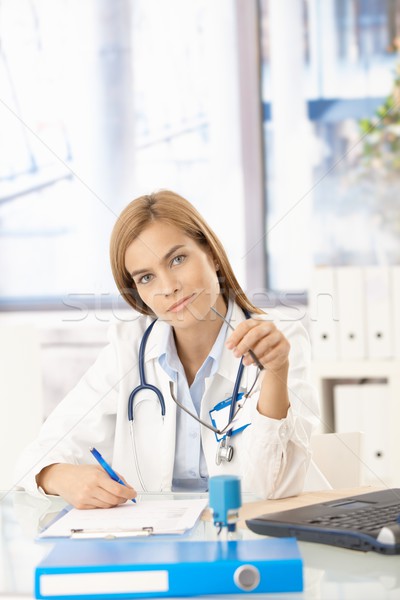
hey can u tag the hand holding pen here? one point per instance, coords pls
(84, 486)
(108, 469)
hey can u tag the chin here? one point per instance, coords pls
(190, 316)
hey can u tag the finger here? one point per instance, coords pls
(90, 502)
(125, 492)
(124, 480)
(239, 332)
(259, 330)
(265, 347)
(86, 506)
(275, 359)
(104, 499)
(252, 338)
(267, 343)
(99, 503)
(104, 480)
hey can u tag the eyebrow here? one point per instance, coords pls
(166, 257)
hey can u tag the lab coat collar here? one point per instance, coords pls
(158, 334)
(228, 364)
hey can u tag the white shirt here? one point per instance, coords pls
(190, 467)
(271, 456)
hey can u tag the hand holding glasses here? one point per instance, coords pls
(246, 395)
(253, 356)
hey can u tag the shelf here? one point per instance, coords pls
(367, 368)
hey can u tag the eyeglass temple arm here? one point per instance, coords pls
(214, 429)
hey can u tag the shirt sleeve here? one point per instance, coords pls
(84, 418)
(276, 452)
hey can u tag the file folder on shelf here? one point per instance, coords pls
(122, 569)
(323, 313)
(378, 312)
(395, 273)
(351, 304)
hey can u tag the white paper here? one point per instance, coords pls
(170, 516)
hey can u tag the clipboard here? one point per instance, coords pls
(146, 518)
(106, 534)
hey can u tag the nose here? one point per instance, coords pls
(169, 285)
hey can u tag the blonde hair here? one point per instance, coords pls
(168, 207)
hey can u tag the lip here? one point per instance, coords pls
(181, 304)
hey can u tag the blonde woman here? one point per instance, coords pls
(158, 401)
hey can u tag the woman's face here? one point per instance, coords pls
(174, 275)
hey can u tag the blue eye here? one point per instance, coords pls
(145, 278)
(178, 260)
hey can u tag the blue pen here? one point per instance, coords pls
(107, 468)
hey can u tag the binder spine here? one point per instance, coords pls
(124, 570)
(222, 577)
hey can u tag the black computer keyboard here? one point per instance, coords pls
(366, 519)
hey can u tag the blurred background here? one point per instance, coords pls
(279, 121)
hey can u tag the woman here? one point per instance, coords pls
(173, 271)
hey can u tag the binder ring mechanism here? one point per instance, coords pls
(106, 534)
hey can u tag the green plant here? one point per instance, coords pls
(381, 134)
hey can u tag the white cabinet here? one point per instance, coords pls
(374, 410)
(361, 407)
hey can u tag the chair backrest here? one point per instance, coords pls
(338, 456)
(21, 398)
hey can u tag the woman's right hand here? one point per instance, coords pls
(84, 486)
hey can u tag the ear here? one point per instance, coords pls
(213, 260)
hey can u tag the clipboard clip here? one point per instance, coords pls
(106, 534)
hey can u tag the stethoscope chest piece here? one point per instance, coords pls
(224, 452)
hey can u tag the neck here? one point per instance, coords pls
(194, 345)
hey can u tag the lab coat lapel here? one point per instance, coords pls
(164, 432)
(220, 386)
(161, 433)
(229, 365)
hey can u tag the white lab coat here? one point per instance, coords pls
(271, 456)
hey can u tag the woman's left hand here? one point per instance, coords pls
(272, 350)
(266, 341)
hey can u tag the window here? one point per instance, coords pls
(332, 179)
(102, 102)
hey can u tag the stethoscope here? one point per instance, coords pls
(225, 448)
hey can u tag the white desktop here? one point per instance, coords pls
(329, 573)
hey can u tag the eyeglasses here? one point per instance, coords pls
(210, 427)
(239, 406)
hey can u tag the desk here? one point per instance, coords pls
(330, 573)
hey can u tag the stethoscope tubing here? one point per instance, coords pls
(143, 385)
(235, 394)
